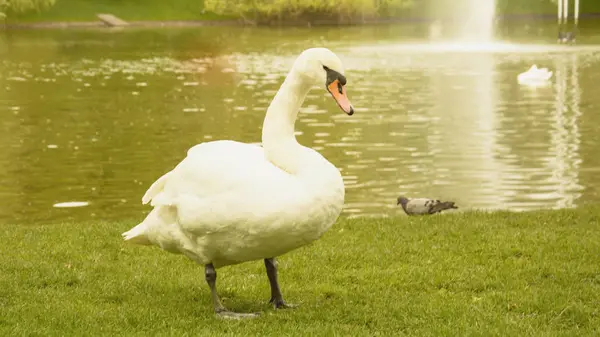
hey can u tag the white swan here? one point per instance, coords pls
(535, 76)
(229, 202)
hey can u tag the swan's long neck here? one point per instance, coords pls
(278, 138)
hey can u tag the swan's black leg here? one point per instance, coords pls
(211, 278)
(276, 297)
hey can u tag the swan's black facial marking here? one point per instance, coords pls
(335, 85)
(333, 75)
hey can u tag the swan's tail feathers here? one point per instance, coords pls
(155, 189)
(137, 235)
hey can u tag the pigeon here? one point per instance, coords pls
(423, 206)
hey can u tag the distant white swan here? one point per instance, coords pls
(535, 76)
(228, 202)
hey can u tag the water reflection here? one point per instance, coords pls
(565, 162)
(100, 126)
(465, 128)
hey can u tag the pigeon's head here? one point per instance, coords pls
(402, 200)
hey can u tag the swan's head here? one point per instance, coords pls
(321, 65)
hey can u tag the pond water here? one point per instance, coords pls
(95, 116)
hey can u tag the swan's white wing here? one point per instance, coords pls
(155, 189)
(223, 183)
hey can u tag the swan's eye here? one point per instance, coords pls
(326, 68)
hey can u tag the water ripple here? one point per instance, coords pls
(430, 121)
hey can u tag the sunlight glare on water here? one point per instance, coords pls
(468, 47)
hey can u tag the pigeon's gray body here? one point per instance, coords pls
(422, 206)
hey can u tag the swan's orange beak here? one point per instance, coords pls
(338, 91)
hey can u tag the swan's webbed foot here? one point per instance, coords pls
(279, 303)
(236, 315)
(276, 297)
(211, 278)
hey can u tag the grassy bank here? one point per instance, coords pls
(130, 10)
(458, 274)
(187, 10)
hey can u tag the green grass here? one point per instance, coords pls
(482, 274)
(86, 10)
